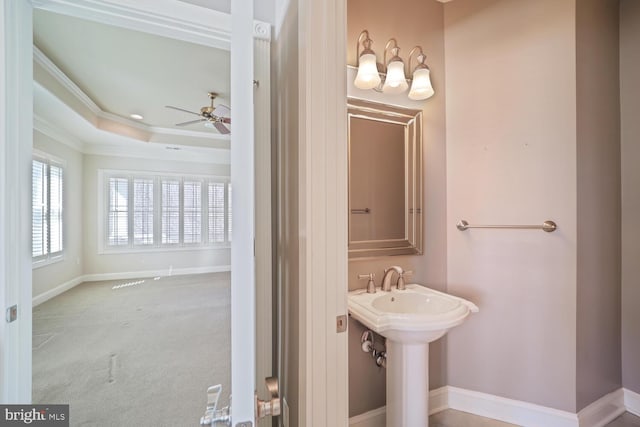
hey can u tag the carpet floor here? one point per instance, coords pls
(136, 352)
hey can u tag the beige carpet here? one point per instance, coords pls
(136, 352)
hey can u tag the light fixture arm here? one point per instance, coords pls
(420, 58)
(394, 51)
(366, 44)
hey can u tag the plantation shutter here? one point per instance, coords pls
(143, 211)
(216, 212)
(55, 209)
(192, 228)
(118, 222)
(170, 216)
(39, 209)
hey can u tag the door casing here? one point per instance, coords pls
(169, 18)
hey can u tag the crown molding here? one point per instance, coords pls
(127, 149)
(199, 25)
(57, 134)
(52, 69)
(43, 60)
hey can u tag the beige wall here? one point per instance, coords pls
(511, 159)
(50, 276)
(598, 365)
(630, 103)
(285, 113)
(411, 22)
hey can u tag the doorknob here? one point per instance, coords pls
(271, 407)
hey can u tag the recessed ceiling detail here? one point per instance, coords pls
(119, 68)
(54, 81)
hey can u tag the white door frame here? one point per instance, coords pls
(323, 212)
(169, 18)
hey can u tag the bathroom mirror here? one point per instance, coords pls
(385, 179)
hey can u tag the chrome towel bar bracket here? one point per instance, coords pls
(547, 226)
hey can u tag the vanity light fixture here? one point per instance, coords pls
(395, 80)
(136, 116)
(421, 87)
(367, 77)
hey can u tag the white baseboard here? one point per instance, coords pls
(374, 418)
(46, 296)
(602, 411)
(598, 414)
(438, 401)
(51, 293)
(154, 273)
(632, 401)
(509, 410)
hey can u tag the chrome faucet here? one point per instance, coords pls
(386, 279)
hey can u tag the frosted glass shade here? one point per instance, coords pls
(367, 77)
(395, 82)
(421, 86)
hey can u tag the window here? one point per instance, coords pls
(192, 212)
(118, 211)
(158, 211)
(170, 212)
(46, 207)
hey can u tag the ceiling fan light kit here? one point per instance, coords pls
(212, 116)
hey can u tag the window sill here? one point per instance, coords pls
(45, 262)
(137, 250)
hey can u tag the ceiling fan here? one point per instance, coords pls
(218, 117)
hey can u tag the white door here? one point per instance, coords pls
(16, 127)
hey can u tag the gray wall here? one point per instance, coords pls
(98, 263)
(411, 22)
(598, 366)
(285, 89)
(630, 103)
(511, 159)
(49, 276)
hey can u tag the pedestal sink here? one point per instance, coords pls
(409, 319)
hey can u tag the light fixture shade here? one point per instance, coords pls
(421, 87)
(367, 77)
(396, 82)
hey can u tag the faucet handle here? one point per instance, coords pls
(371, 284)
(401, 285)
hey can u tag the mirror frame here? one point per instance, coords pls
(411, 119)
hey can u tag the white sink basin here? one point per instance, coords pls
(409, 319)
(414, 315)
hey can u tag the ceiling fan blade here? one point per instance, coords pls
(221, 128)
(182, 109)
(221, 111)
(190, 122)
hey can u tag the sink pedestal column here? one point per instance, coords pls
(407, 384)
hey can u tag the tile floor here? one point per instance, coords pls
(453, 418)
